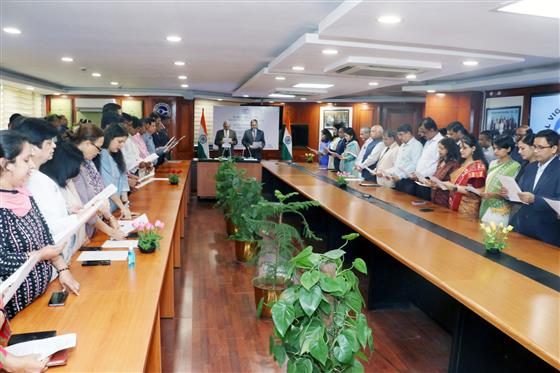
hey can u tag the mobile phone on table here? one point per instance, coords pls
(132, 235)
(90, 263)
(58, 299)
(90, 248)
(33, 336)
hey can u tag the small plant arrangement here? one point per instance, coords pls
(495, 236)
(309, 157)
(173, 176)
(148, 236)
(318, 323)
(341, 179)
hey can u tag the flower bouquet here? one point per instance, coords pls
(495, 236)
(173, 176)
(341, 179)
(148, 236)
(309, 157)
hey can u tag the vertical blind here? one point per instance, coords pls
(18, 100)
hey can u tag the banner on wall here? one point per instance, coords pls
(545, 112)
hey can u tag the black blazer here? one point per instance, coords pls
(539, 220)
(220, 136)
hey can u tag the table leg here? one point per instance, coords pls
(153, 363)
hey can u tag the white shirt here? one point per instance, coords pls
(489, 154)
(374, 156)
(363, 150)
(131, 154)
(407, 158)
(540, 170)
(427, 164)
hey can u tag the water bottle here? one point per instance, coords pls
(131, 258)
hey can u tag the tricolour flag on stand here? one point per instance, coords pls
(202, 150)
(287, 142)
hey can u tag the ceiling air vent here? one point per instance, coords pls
(381, 67)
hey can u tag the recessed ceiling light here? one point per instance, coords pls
(373, 83)
(179, 63)
(411, 76)
(303, 99)
(440, 94)
(114, 83)
(470, 63)
(431, 91)
(182, 77)
(245, 96)
(542, 8)
(313, 85)
(270, 102)
(184, 86)
(12, 30)
(280, 78)
(173, 38)
(56, 93)
(30, 88)
(298, 68)
(67, 59)
(319, 102)
(280, 95)
(220, 99)
(96, 75)
(389, 19)
(330, 52)
(126, 95)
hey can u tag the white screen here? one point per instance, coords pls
(239, 118)
(545, 113)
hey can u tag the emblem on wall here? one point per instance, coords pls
(162, 109)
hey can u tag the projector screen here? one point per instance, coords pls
(239, 118)
(545, 112)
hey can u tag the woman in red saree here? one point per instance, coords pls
(472, 172)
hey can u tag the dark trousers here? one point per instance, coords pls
(423, 192)
(406, 186)
(368, 176)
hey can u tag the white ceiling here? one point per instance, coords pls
(238, 47)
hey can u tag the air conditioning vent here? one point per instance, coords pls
(386, 68)
(377, 71)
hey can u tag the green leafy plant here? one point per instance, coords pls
(318, 323)
(149, 235)
(341, 178)
(245, 194)
(225, 175)
(173, 176)
(495, 236)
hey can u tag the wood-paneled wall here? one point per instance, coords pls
(464, 107)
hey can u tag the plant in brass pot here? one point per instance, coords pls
(279, 242)
(148, 236)
(318, 323)
(225, 176)
(495, 236)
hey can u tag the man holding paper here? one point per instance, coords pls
(253, 140)
(225, 140)
(541, 179)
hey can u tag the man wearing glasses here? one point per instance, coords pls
(541, 180)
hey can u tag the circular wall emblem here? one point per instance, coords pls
(162, 109)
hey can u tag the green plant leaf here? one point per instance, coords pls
(282, 315)
(302, 255)
(325, 307)
(351, 335)
(259, 308)
(310, 299)
(350, 236)
(279, 353)
(356, 367)
(330, 285)
(310, 278)
(362, 356)
(319, 350)
(362, 330)
(301, 365)
(343, 351)
(334, 254)
(360, 265)
(290, 295)
(354, 300)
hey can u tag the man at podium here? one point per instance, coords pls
(253, 140)
(226, 139)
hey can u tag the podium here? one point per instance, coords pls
(207, 168)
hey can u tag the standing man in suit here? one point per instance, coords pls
(251, 136)
(225, 140)
(372, 153)
(540, 180)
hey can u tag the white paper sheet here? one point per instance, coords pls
(83, 217)
(511, 186)
(102, 196)
(103, 255)
(9, 286)
(44, 347)
(353, 179)
(552, 203)
(119, 244)
(127, 225)
(147, 176)
(438, 182)
(141, 185)
(174, 161)
(256, 145)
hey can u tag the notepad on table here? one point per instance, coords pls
(113, 256)
(127, 226)
(44, 347)
(119, 244)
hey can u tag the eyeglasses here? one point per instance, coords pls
(96, 147)
(539, 147)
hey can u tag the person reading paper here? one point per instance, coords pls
(225, 140)
(253, 140)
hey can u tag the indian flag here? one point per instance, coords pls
(202, 150)
(287, 142)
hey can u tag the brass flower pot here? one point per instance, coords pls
(245, 251)
(269, 293)
(230, 227)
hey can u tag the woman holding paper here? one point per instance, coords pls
(449, 157)
(113, 168)
(23, 230)
(470, 176)
(88, 183)
(494, 208)
(348, 157)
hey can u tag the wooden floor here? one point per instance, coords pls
(215, 329)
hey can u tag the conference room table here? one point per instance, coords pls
(117, 314)
(511, 299)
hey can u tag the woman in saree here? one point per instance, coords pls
(471, 174)
(348, 157)
(449, 157)
(494, 207)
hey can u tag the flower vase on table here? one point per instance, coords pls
(495, 237)
(309, 157)
(149, 236)
(173, 176)
(341, 179)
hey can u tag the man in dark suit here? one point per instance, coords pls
(253, 140)
(225, 140)
(540, 180)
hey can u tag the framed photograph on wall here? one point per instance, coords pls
(332, 116)
(503, 119)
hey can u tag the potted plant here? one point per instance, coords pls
(225, 175)
(173, 176)
(318, 323)
(148, 236)
(279, 242)
(309, 157)
(341, 179)
(495, 237)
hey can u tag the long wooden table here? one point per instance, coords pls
(525, 309)
(117, 314)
